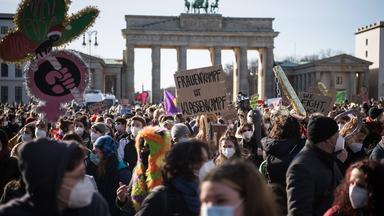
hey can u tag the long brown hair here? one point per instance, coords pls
(258, 199)
(220, 158)
(375, 174)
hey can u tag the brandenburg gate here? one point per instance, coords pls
(201, 31)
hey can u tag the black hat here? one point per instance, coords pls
(374, 112)
(321, 128)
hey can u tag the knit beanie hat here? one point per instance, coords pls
(179, 130)
(321, 128)
(101, 127)
(106, 145)
(374, 112)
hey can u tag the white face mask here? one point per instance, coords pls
(79, 131)
(358, 196)
(5, 124)
(40, 133)
(356, 147)
(94, 137)
(228, 152)
(247, 135)
(339, 144)
(26, 137)
(219, 210)
(135, 131)
(81, 195)
(340, 126)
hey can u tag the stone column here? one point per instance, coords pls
(123, 73)
(352, 84)
(241, 72)
(366, 79)
(156, 59)
(261, 74)
(215, 56)
(118, 86)
(181, 58)
(318, 77)
(130, 73)
(302, 82)
(332, 80)
(270, 85)
(266, 78)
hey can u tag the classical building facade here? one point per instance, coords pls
(369, 45)
(195, 31)
(12, 88)
(341, 72)
(104, 74)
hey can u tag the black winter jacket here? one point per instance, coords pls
(311, 180)
(165, 201)
(377, 152)
(43, 164)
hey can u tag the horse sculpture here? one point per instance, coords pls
(201, 4)
(197, 5)
(187, 5)
(214, 6)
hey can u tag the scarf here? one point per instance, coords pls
(189, 191)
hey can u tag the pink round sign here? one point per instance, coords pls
(57, 78)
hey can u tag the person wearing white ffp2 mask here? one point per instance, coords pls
(41, 129)
(229, 149)
(137, 124)
(66, 190)
(361, 192)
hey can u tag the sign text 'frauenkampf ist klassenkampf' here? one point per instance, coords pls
(201, 91)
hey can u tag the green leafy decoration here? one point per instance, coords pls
(77, 24)
(35, 17)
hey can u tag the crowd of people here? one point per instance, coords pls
(139, 160)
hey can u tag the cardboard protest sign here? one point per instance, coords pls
(98, 107)
(274, 102)
(315, 103)
(253, 102)
(200, 91)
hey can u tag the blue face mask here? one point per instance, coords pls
(216, 210)
(94, 158)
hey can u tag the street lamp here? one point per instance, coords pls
(91, 73)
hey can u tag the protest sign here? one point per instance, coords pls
(253, 101)
(274, 102)
(200, 91)
(340, 96)
(315, 103)
(98, 107)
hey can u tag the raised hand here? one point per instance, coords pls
(60, 80)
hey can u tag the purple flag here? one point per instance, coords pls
(170, 103)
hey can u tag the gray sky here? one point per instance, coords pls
(305, 27)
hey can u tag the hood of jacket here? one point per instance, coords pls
(42, 164)
(278, 147)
